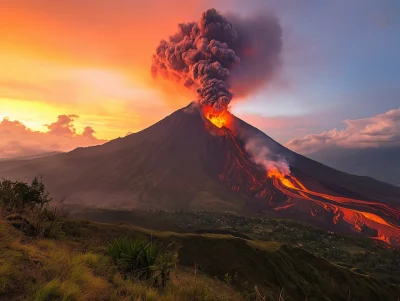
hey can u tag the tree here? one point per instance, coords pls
(18, 195)
(30, 206)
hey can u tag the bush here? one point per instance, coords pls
(135, 257)
(28, 207)
(142, 259)
(164, 264)
(17, 195)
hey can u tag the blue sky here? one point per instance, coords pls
(340, 62)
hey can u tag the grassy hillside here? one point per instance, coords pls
(45, 256)
(366, 255)
(74, 266)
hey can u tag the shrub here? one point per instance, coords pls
(142, 259)
(164, 264)
(28, 207)
(228, 278)
(133, 256)
(17, 195)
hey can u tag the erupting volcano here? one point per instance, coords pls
(209, 55)
(203, 158)
(187, 162)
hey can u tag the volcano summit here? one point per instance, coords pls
(186, 162)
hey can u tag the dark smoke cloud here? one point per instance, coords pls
(259, 47)
(216, 56)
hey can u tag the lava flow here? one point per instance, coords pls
(287, 192)
(321, 203)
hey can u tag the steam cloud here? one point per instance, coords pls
(218, 57)
(261, 155)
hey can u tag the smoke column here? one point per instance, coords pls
(218, 57)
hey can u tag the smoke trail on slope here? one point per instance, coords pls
(261, 155)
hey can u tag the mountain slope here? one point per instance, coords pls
(185, 162)
(172, 164)
(347, 184)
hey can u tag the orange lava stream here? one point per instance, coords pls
(348, 201)
(386, 231)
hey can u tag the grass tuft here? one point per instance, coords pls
(134, 256)
(57, 290)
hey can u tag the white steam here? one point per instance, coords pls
(261, 155)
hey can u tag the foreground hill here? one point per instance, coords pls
(77, 269)
(74, 267)
(184, 162)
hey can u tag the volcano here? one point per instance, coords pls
(186, 162)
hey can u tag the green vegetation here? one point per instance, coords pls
(17, 195)
(365, 255)
(133, 256)
(27, 207)
(142, 259)
(68, 268)
(84, 260)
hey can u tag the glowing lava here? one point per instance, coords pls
(322, 203)
(284, 192)
(218, 118)
(275, 173)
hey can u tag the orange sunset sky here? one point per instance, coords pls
(77, 72)
(73, 57)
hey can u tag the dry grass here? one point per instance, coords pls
(75, 268)
(43, 270)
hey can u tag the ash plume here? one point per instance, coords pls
(217, 57)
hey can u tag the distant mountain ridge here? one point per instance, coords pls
(381, 163)
(31, 157)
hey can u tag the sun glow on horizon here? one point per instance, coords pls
(108, 100)
(33, 114)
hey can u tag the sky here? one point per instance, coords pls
(77, 72)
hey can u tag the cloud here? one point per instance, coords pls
(63, 126)
(17, 140)
(382, 130)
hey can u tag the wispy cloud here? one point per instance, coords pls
(377, 131)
